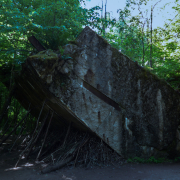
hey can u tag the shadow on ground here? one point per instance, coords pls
(127, 171)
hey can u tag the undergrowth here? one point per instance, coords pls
(152, 160)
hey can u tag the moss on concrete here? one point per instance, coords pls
(45, 55)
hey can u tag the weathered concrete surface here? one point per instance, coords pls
(32, 93)
(127, 106)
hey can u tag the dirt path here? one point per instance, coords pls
(28, 171)
(125, 172)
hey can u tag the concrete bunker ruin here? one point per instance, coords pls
(102, 91)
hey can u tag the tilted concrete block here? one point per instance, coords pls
(127, 106)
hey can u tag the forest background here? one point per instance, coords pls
(56, 22)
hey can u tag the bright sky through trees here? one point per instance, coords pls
(160, 14)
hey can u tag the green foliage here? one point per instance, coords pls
(132, 39)
(15, 112)
(150, 160)
(52, 22)
(177, 159)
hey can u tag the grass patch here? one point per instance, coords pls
(177, 159)
(151, 160)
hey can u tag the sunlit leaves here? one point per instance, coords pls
(171, 46)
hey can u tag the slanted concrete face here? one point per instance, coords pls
(132, 110)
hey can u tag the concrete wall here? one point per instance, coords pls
(132, 110)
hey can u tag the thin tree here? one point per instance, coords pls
(151, 52)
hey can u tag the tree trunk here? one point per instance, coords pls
(57, 165)
(151, 41)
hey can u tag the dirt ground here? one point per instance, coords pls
(127, 171)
